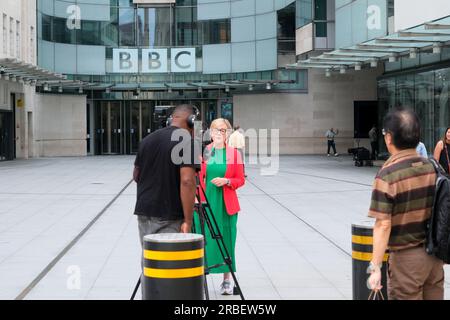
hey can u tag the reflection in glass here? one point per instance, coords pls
(424, 106)
(442, 102)
(304, 12)
(154, 25)
(126, 27)
(405, 91)
(186, 20)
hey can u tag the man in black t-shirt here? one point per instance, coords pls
(165, 169)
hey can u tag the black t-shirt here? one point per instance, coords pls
(159, 160)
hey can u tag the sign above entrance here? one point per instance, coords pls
(154, 60)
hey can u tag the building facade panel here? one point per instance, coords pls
(410, 13)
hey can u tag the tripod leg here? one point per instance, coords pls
(136, 288)
(206, 288)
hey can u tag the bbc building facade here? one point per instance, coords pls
(114, 68)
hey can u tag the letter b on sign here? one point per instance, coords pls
(125, 60)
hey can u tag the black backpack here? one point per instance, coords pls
(438, 233)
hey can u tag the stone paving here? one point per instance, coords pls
(294, 236)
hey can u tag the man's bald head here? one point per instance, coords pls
(404, 126)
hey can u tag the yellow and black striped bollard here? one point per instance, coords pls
(173, 267)
(362, 245)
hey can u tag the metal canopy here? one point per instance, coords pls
(426, 37)
(19, 71)
(189, 86)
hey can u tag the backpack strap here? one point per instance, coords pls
(437, 166)
(446, 154)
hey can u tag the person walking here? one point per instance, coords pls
(330, 135)
(222, 173)
(442, 151)
(166, 183)
(402, 200)
(373, 136)
(237, 140)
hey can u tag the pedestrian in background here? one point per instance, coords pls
(442, 151)
(330, 135)
(373, 136)
(422, 150)
(222, 173)
(237, 140)
(402, 201)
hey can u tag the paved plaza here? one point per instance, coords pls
(294, 230)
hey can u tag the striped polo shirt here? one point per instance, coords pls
(403, 191)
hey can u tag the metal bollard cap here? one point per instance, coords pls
(173, 237)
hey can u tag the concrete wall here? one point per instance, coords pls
(60, 125)
(23, 11)
(303, 119)
(410, 13)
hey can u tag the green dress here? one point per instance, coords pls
(216, 168)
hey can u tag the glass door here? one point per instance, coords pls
(109, 133)
(146, 118)
(135, 125)
(115, 128)
(140, 124)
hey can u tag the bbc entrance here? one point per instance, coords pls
(119, 126)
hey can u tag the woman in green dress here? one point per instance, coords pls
(220, 176)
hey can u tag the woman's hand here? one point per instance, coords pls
(219, 182)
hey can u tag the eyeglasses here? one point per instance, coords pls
(222, 131)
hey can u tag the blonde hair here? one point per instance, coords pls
(216, 122)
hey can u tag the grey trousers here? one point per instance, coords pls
(151, 225)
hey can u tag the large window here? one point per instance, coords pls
(154, 25)
(11, 37)
(304, 13)
(428, 93)
(320, 15)
(187, 26)
(216, 31)
(131, 26)
(18, 41)
(127, 29)
(61, 33)
(5, 34)
(286, 29)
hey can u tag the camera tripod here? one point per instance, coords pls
(202, 208)
(204, 218)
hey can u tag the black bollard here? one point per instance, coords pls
(362, 245)
(173, 267)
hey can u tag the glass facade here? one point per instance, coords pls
(360, 20)
(427, 92)
(232, 39)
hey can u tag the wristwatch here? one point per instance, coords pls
(373, 267)
(228, 182)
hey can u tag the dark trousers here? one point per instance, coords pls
(331, 144)
(374, 146)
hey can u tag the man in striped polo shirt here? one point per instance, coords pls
(402, 198)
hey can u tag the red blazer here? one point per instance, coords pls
(234, 172)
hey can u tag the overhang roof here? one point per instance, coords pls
(429, 36)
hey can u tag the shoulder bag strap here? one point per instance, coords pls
(446, 154)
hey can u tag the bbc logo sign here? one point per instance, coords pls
(154, 60)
